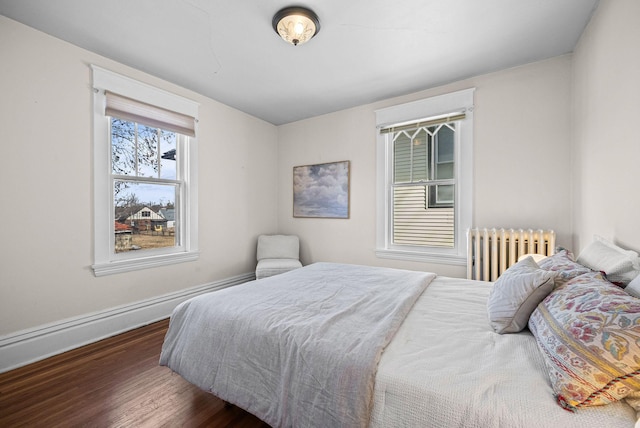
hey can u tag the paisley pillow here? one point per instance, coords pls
(564, 263)
(589, 335)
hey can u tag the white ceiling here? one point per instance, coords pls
(366, 50)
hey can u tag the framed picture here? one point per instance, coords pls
(321, 190)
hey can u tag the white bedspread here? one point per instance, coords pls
(446, 368)
(299, 349)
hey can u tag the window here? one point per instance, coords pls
(424, 173)
(145, 172)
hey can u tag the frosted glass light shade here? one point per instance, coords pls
(296, 25)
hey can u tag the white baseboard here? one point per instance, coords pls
(34, 344)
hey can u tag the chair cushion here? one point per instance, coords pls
(270, 267)
(278, 247)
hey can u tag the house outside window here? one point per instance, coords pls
(145, 167)
(424, 173)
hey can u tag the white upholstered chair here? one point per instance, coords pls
(277, 254)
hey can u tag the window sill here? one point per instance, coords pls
(120, 266)
(417, 256)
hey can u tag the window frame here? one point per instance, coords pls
(106, 260)
(442, 105)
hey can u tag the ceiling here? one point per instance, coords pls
(366, 50)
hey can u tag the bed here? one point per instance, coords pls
(423, 354)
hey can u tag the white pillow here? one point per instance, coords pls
(634, 287)
(618, 264)
(516, 294)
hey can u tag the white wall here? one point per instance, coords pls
(46, 177)
(606, 107)
(521, 156)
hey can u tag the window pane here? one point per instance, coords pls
(444, 194)
(441, 195)
(444, 171)
(411, 157)
(144, 215)
(168, 154)
(416, 224)
(445, 144)
(444, 153)
(123, 147)
(402, 158)
(420, 160)
(147, 151)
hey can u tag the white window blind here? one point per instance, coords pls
(156, 117)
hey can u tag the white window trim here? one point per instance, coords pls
(460, 101)
(106, 262)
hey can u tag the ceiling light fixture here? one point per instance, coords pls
(296, 25)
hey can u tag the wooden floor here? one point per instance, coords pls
(116, 382)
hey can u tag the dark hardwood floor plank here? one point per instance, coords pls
(116, 382)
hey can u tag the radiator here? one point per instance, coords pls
(491, 251)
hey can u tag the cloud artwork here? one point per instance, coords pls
(321, 190)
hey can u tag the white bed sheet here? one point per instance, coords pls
(446, 367)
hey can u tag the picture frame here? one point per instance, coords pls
(321, 190)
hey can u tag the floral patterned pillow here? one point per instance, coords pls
(564, 263)
(589, 335)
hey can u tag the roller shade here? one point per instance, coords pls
(146, 114)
